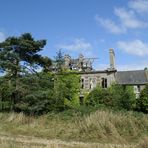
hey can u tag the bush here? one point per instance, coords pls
(116, 96)
(6, 90)
(34, 93)
(97, 96)
(122, 97)
(142, 101)
(66, 91)
(36, 103)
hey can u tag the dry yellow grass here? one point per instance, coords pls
(143, 143)
(33, 142)
(103, 129)
(116, 127)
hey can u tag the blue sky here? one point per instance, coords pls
(89, 27)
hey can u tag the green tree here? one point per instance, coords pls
(22, 53)
(122, 97)
(66, 90)
(59, 59)
(19, 56)
(142, 101)
(97, 96)
(38, 98)
(116, 96)
(6, 90)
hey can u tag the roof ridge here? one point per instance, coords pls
(131, 70)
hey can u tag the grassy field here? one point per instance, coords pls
(103, 129)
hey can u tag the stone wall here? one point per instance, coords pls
(91, 80)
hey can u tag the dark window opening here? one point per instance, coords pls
(82, 83)
(90, 86)
(90, 83)
(138, 88)
(70, 66)
(81, 100)
(104, 83)
(82, 86)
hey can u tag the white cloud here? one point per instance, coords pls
(140, 6)
(110, 25)
(2, 37)
(128, 18)
(76, 45)
(136, 47)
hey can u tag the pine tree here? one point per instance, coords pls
(19, 56)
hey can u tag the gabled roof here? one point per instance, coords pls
(131, 77)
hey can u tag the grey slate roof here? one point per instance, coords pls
(131, 77)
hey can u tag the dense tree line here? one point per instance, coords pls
(42, 93)
(119, 97)
(24, 89)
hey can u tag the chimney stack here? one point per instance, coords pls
(112, 59)
(67, 60)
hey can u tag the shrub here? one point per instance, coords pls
(97, 96)
(142, 101)
(36, 103)
(116, 96)
(122, 97)
(66, 91)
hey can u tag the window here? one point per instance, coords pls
(90, 86)
(138, 88)
(104, 83)
(90, 83)
(82, 83)
(81, 64)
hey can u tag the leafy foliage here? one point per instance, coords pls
(34, 91)
(59, 59)
(97, 96)
(38, 95)
(23, 89)
(6, 90)
(116, 96)
(18, 54)
(142, 101)
(18, 57)
(66, 90)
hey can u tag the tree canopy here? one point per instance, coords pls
(21, 54)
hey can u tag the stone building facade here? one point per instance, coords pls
(91, 78)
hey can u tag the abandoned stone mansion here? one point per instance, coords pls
(91, 78)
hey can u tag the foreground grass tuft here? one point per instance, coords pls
(113, 127)
(102, 126)
(143, 143)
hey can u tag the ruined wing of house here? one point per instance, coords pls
(90, 78)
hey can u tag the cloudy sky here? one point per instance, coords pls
(89, 27)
